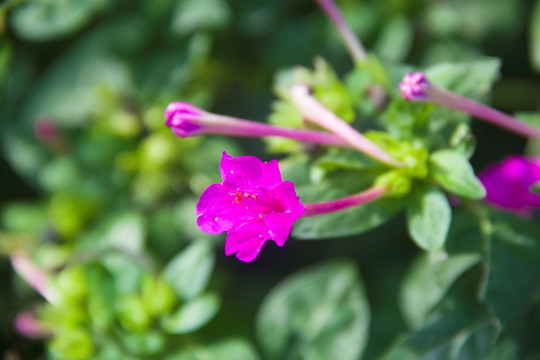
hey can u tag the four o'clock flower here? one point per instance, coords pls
(508, 184)
(187, 120)
(252, 205)
(416, 87)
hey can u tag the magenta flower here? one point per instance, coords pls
(508, 184)
(252, 205)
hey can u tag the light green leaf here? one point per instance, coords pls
(534, 36)
(471, 78)
(124, 232)
(143, 343)
(458, 327)
(192, 315)
(318, 313)
(428, 281)
(428, 218)
(189, 271)
(395, 40)
(453, 172)
(230, 349)
(193, 15)
(43, 20)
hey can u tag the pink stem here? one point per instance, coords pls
(452, 100)
(314, 209)
(355, 48)
(220, 124)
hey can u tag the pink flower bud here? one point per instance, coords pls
(413, 86)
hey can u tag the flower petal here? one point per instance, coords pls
(271, 175)
(247, 240)
(241, 170)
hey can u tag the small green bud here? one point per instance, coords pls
(157, 295)
(395, 181)
(72, 343)
(131, 313)
(72, 283)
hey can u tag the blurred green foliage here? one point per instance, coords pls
(107, 212)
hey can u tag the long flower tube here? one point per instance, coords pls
(37, 278)
(187, 120)
(366, 196)
(312, 110)
(416, 87)
(354, 46)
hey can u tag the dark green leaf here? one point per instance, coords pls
(453, 172)
(513, 273)
(319, 313)
(428, 218)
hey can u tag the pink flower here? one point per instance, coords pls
(508, 184)
(413, 86)
(252, 205)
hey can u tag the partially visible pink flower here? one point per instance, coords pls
(26, 323)
(413, 86)
(508, 184)
(252, 205)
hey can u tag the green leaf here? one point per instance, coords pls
(336, 158)
(470, 78)
(143, 343)
(230, 349)
(318, 313)
(157, 295)
(531, 118)
(101, 294)
(131, 313)
(189, 271)
(43, 20)
(427, 282)
(194, 15)
(513, 273)
(428, 218)
(534, 37)
(458, 327)
(125, 232)
(395, 40)
(192, 315)
(453, 172)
